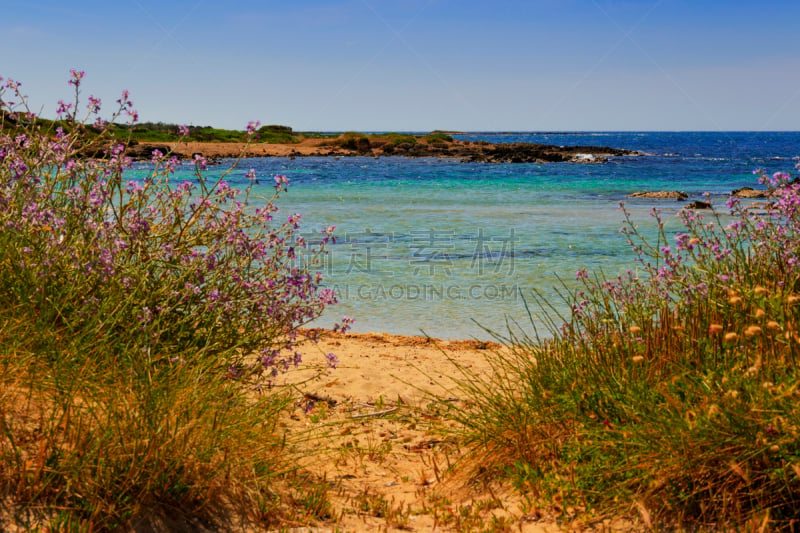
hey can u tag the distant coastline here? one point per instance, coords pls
(439, 144)
(143, 140)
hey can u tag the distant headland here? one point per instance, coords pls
(143, 139)
(282, 141)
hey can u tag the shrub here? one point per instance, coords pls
(435, 137)
(276, 134)
(275, 128)
(355, 141)
(400, 138)
(669, 394)
(138, 318)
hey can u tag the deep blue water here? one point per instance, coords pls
(442, 246)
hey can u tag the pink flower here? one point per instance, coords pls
(332, 360)
(200, 161)
(294, 219)
(252, 126)
(94, 104)
(281, 182)
(77, 76)
(63, 107)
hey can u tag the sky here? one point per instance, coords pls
(418, 65)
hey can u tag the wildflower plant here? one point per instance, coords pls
(179, 296)
(668, 394)
(188, 268)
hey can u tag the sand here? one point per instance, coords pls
(371, 432)
(215, 150)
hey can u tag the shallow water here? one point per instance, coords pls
(451, 248)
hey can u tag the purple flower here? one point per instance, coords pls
(294, 219)
(76, 77)
(63, 107)
(94, 105)
(252, 126)
(332, 360)
(200, 162)
(281, 182)
(199, 265)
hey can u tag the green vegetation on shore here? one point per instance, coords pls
(159, 132)
(273, 134)
(668, 395)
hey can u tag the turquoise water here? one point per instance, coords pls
(452, 248)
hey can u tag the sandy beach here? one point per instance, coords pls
(371, 430)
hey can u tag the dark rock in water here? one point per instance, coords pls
(660, 195)
(760, 206)
(697, 204)
(748, 192)
(363, 145)
(538, 153)
(140, 152)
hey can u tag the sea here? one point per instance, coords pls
(460, 250)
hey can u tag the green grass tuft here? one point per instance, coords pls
(670, 397)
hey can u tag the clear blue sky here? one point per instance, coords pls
(419, 64)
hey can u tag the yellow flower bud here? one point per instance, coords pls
(773, 326)
(752, 331)
(730, 337)
(635, 330)
(714, 329)
(760, 313)
(637, 359)
(760, 291)
(734, 300)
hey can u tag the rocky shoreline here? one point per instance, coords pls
(466, 151)
(747, 193)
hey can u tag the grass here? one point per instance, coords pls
(141, 326)
(105, 447)
(160, 132)
(668, 397)
(91, 439)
